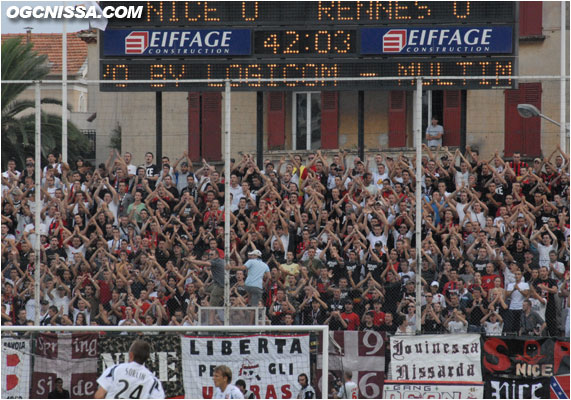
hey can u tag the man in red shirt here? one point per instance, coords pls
(453, 286)
(488, 279)
(350, 317)
(517, 165)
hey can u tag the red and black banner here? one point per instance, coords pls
(521, 368)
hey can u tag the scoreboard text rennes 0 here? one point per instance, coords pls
(275, 45)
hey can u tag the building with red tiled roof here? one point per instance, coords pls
(50, 44)
(78, 92)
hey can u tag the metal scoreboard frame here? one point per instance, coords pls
(278, 45)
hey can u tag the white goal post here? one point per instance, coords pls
(320, 330)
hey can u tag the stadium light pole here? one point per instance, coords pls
(37, 179)
(417, 128)
(227, 134)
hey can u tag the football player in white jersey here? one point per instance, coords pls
(349, 390)
(223, 389)
(131, 380)
(306, 391)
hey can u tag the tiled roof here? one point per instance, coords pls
(50, 44)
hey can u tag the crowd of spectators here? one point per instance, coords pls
(315, 241)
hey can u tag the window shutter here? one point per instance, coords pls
(194, 126)
(211, 125)
(397, 118)
(530, 18)
(329, 120)
(452, 117)
(531, 126)
(276, 120)
(522, 134)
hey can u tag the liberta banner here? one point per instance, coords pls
(270, 364)
(522, 368)
(15, 368)
(436, 357)
(164, 360)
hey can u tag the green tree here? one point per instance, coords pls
(21, 62)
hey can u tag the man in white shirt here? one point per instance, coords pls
(434, 133)
(224, 390)
(306, 391)
(517, 292)
(349, 390)
(131, 380)
(547, 244)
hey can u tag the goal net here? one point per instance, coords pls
(268, 359)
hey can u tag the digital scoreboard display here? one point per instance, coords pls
(308, 13)
(274, 45)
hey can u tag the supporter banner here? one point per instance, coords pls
(164, 361)
(525, 358)
(437, 40)
(521, 368)
(268, 363)
(433, 390)
(507, 388)
(16, 368)
(363, 353)
(436, 357)
(72, 357)
(179, 43)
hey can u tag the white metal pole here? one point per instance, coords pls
(37, 181)
(562, 86)
(429, 108)
(167, 328)
(294, 121)
(325, 363)
(227, 144)
(417, 122)
(308, 123)
(64, 92)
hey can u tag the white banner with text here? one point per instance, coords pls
(269, 364)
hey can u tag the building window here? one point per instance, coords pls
(306, 115)
(531, 19)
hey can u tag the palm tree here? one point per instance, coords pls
(21, 62)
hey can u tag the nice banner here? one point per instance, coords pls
(525, 368)
(269, 364)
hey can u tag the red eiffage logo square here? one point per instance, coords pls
(394, 41)
(136, 42)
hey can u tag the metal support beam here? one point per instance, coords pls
(159, 128)
(361, 124)
(227, 147)
(417, 128)
(562, 86)
(37, 180)
(64, 92)
(260, 129)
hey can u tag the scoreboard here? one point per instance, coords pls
(264, 45)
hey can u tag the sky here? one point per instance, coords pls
(18, 25)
